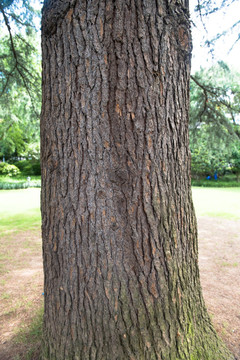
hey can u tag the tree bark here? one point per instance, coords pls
(118, 225)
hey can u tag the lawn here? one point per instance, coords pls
(21, 207)
(19, 210)
(21, 278)
(19, 201)
(217, 202)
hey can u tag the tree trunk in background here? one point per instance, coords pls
(119, 230)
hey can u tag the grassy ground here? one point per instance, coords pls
(217, 202)
(19, 210)
(20, 273)
(20, 261)
(19, 201)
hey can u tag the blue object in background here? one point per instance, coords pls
(208, 177)
(215, 176)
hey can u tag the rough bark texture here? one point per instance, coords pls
(119, 230)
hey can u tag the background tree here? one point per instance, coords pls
(235, 161)
(119, 230)
(215, 101)
(215, 91)
(20, 80)
(214, 118)
(19, 121)
(20, 69)
(209, 158)
(17, 22)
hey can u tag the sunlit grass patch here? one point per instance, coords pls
(217, 202)
(20, 270)
(29, 220)
(20, 222)
(228, 264)
(19, 211)
(14, 202)
(33, 330)
(30, 336)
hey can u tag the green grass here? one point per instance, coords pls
(28, 220)
(227, 264)
(19, 201)
(217, 202)
(20, 221)
(30, 336)
(19, 210)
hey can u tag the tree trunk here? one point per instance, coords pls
(119, 230)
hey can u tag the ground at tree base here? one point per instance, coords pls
(219, 254)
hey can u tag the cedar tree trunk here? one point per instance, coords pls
(119, 230)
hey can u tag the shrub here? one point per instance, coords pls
(13, 186)
(235, 162)
(7, 183)
(36, 168)
(7, 169)
(29, 167)
(205, 162)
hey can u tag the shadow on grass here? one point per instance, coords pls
(26, 344)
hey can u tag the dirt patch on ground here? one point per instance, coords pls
(21, 283)
(21, 288)
(219, 261)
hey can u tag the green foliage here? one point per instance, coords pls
(9, 183)
(208, 157)
(206, 162)
(235, 162)
(17, 20)
(13, 186)
(36, 168)
(20, 109)
(20, 81)
(215, 95)
(7, 169)
(214, 120)
(29, 167)
(220, 183)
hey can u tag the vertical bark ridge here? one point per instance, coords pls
(119, 231)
